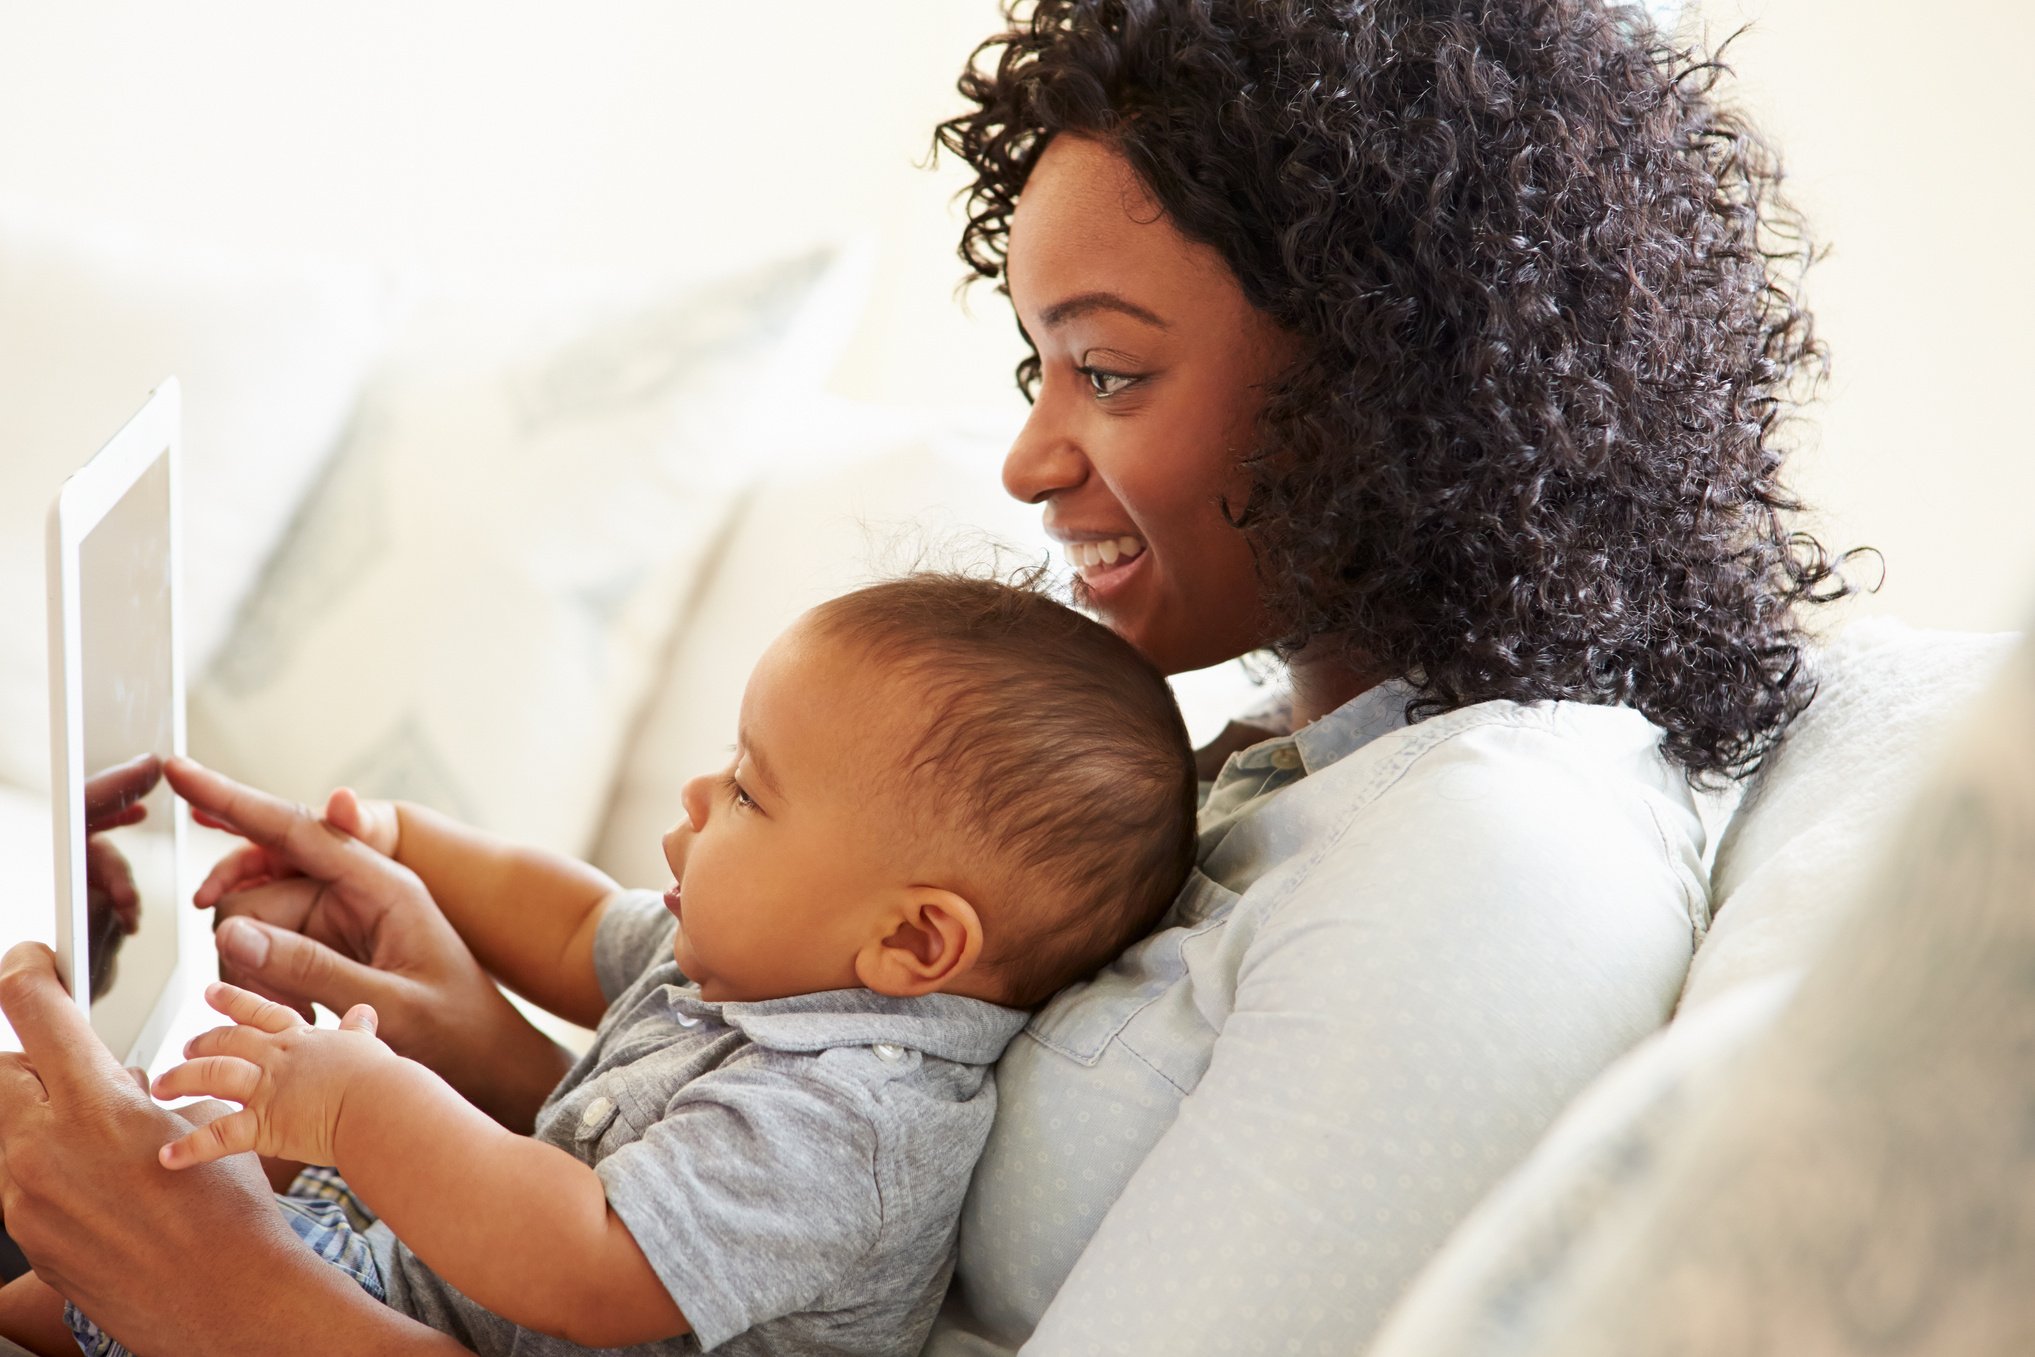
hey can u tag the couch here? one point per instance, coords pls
(515, 558)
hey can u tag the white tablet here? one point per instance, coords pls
(116, 712)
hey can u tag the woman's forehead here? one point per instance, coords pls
(1085, 223)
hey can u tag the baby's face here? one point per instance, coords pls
(786, 861)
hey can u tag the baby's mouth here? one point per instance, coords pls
(672, 901)
(1096, 560)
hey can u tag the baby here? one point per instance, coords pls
(948, 799)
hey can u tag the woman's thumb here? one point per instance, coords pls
(292, 963)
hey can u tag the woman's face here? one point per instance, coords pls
(1151, 366)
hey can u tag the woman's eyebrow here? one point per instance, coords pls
(1086, 303)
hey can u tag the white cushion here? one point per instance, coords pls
(903, 489)
(470, 606)
(1804, 844)
(1805, 850)
(271, 354)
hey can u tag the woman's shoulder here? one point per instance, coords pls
(1511, 802)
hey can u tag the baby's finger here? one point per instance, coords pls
(233, 975)
(360, 1018)
(216, 1076)
(243, 1043)
(244, 1006)
(231, 1134)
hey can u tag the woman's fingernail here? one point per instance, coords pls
(244, 944)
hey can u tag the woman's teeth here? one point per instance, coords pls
(1088, 555)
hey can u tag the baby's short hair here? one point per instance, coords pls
(1050, 752)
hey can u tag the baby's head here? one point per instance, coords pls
(939, 784)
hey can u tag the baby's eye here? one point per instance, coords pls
(1104, 383)
(732, 788)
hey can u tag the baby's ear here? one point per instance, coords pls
(935, 939)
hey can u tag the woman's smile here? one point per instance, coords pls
(1104, 566)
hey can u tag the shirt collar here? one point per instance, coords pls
(946, 1026)
(1376, 711)
(1371, 713)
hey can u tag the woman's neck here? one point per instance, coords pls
(1324, 679)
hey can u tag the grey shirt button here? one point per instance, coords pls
(596, 1112)
(1286, 758)
(885, 1051)
(688, 1020)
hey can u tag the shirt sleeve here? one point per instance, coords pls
(634, 933)
(1424, 995)
(753, 1197)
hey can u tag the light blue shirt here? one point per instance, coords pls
(1404, 950)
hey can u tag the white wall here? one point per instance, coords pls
(1907, 131)
(504, 140)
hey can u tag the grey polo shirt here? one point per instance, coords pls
(793, 1169)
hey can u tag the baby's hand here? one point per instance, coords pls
(374, 823)
(292, 1080)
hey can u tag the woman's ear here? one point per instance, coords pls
(936, 938)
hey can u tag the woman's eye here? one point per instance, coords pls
(1104, 383)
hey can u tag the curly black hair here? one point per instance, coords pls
(1547, 293)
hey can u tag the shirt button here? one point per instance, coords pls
(1286, 758)
(688, 1020)
(885, 1051)
(596, 1112)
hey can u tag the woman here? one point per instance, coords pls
(1438, 348)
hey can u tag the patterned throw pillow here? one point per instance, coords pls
(468, 609)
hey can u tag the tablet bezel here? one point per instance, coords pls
(154, 434)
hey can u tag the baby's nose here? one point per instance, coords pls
(697, 796)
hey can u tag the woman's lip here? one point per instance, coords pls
(671, 900)
(1105, 582)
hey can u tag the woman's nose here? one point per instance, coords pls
(1045, 460)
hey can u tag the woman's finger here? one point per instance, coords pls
(288, 903)
(296, 836)
(251, 1009)
(67, 1055)
(200, 817)
(242, 869)
(235, 1133)
(298, 967)
(212, 1076)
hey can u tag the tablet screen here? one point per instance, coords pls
(126, 687)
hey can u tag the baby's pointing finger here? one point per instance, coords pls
(216, 1076)
(244, 1007)
(230, 1134)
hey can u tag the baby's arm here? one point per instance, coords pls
(455, 1187)
(529, 915)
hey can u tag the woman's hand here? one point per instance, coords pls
(374, 823)
(139, 1249)
(349, 926)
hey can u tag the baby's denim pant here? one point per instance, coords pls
(323, 1211)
